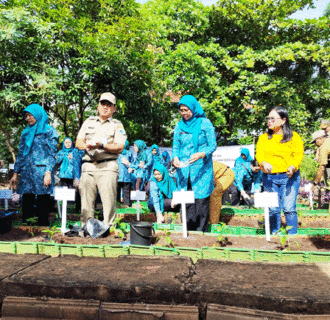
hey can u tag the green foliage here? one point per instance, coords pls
(223, 228)
(308, 167)
(167, 238)
(50, 232)
(118, 228)
(284, 238)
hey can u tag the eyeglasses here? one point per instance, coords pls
(272, 119)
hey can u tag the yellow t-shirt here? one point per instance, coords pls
(280, 155)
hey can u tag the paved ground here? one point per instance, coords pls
(289, 288)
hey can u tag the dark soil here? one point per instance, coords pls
(298, 243)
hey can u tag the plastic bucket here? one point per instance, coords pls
(141, 233)
(6, 219)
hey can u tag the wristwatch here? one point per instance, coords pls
(102, 146)
(315, 183)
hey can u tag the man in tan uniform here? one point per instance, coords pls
(103, 138)
(323, 142)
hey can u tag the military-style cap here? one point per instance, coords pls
(324, 124)
(108, 97)
(318, 134)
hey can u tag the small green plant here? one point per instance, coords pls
(30, 222)
(167, 238)
(119, 228)
(50, 232)
(284, 238)
(223, 228)
(301, 216)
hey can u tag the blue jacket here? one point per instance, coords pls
(68, 172)
(245, 179)
(201, 171)
(124, 176)
(41, 158)
(156, 197)
(143, 173)
(77, 162)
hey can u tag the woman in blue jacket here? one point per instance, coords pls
(35, 163)
(65, 158)
(193, 144)
(161, 192)
(142, 164)
(166, 159)
(125, 178)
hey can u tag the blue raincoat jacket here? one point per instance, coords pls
(66, 168)
(200, 139)
(124, 175)
(77, 162)
(245, 179)
(36, 154)
(145, 156)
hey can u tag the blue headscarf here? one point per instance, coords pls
(126, 147)
(156, 157)
(40, 127)
(240, 160)
(66, 150)
(142, 148)
(167, 157)
(167, 184)
(193, 125)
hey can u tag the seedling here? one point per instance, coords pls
(167, 237)
(223, 228)
(119, 228)
(284, 238)
(50, 232)
(31, 222)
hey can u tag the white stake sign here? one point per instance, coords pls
(308, 188)
(65, 194)
(266, 200)
(138, 196)
(183, 197)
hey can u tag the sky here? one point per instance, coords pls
(320, 6)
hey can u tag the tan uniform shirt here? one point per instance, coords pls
(324, 152)
(93, 130)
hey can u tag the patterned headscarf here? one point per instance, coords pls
(192, 125)
(41, 126)
(167, 184)
(142, 150)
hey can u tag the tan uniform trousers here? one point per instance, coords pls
(106, 183)
(222, 184)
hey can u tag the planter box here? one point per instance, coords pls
(113, 251)
(7, 247)
(160, 251)
(92, 251)
(293, 256)
(267, 256)
(49, 249)
(240, 254)
(215, 253)
(193, 253)
(141, 250)
(71, 249)
(27, 247)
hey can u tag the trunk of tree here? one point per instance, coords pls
(11, 149)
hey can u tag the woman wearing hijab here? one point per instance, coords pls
(244, 158)
(65, 158)
(193, 144)
(161, 192)
(166, 159)
(142, 164)
(35, 163)
(125, 178)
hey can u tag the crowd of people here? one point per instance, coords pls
(101, 161)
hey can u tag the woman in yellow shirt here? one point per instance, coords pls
(280, 152)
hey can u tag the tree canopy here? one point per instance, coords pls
(239, 58)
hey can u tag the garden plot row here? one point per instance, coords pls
(111, 251)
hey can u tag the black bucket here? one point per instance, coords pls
(141, 233)
(6, 219)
